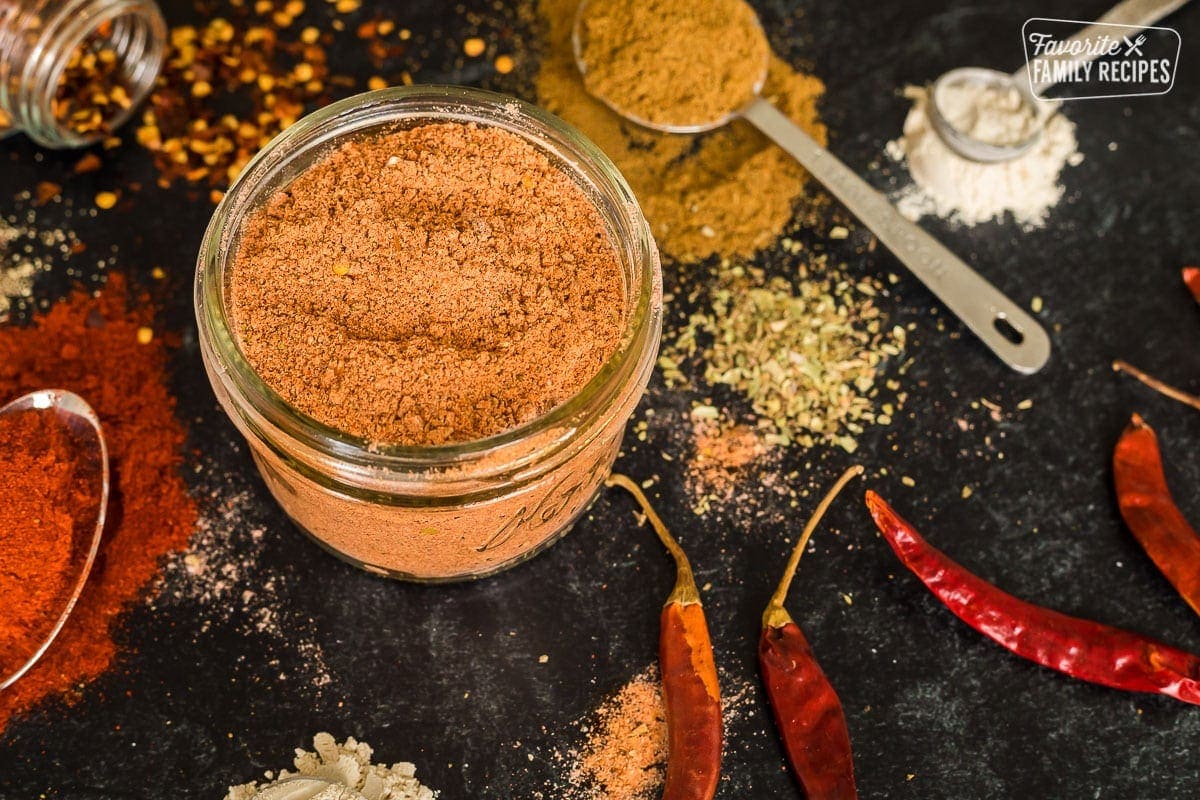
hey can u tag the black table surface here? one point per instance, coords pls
(451, 676)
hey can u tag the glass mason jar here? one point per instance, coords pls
(443, 512)
(40, 40)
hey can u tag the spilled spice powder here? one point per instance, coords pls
(625, 754)
(728, 192)
(722, 457)
(89, 345)
(47, 522)
(438, 284)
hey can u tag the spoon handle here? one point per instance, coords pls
(1130, 12)
(1002, 325)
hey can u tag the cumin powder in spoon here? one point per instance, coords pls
(437, 284)
(672, 62)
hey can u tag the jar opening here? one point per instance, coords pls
(104, 62)
(313, 136)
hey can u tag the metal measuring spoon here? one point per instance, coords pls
(1131, 12)
(1001, 324)
(83, 426)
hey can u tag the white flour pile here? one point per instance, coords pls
(950, 186)
(347, 766)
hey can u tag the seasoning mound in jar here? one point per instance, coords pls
(673, 62)
(436, 284)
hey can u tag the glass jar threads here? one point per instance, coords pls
(72, 71)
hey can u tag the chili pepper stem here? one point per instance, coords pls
(685, 591)
(1157, 385)
(775, 615)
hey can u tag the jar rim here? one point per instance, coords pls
(336, 123)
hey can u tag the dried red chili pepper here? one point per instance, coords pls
(1077, 647)
(689, 675)
(1151, 513)
(1191, 277)
(807, 710)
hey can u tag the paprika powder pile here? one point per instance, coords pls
(103, 348)
(44, 503)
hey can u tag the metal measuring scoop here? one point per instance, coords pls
(1001, 324)
(1038, 112)
(83, 427)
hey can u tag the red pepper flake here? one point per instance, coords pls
(1080, 648)
(1191, 277)
(1151, 512)
(44, 192)
(249, 62)
(89, 163)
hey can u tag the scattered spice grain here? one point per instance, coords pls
(673, 62)
(728, 192)
(438, 284)
(30, 245)
(89, 345)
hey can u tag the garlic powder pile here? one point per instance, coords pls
(950, 186)
(347, 765)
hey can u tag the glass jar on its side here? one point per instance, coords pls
(41, 44)
(442, 512)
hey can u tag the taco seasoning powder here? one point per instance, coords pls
(438, 284)
(428, 286)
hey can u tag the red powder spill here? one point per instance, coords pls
(90, 346)
(626, 750)
(722, 458)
